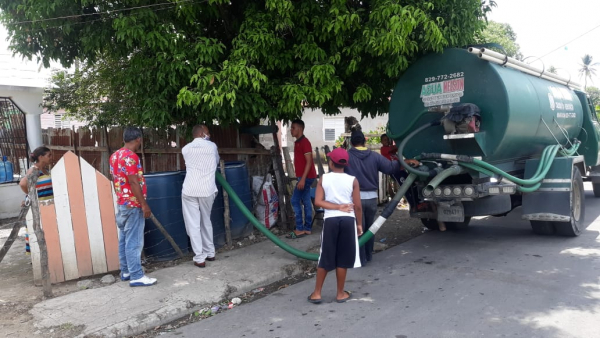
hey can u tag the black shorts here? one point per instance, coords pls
(338, 243)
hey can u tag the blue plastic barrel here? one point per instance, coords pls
(164, 198)
(237, 176)
(8, 168)
(2, 171)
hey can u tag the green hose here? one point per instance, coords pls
(259, 226)
(452, 171)
(303, 254)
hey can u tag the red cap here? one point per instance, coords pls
(339, 156)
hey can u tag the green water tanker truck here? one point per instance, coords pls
(492, 134)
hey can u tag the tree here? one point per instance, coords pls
(502, 34)
(587, 69)
(594, 94)
(157, 63)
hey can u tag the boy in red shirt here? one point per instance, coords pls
(306, 174)
(388, 150)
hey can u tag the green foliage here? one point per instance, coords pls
(502, 34)
(198, 60)
(594, 94)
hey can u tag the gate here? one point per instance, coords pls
(13, 135)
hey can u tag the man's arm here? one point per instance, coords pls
(217, 155)
(386, 166)
(309, 162)
(136, 189)
(357, 207)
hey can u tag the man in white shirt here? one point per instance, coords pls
(199, 192)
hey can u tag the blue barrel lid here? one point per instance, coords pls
(163, 173)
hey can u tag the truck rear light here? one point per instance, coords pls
(437, 192)
(457, 191)
(447, 191)
(508, 190)
(469, 191)
(494, 190)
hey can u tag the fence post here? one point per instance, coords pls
(39, 233)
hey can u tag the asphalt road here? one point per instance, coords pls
(496, 279)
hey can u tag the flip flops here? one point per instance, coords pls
(293, 235)
(345, 299)
(314, 301)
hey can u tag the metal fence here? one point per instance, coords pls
(13, 136)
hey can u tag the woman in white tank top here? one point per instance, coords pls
(339, 194)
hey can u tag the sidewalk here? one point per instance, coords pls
(118, 310)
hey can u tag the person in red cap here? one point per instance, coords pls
(339, 194)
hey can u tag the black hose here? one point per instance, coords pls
(403, 144)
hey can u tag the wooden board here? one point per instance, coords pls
(50, 226)
(78, 215)
(93, 217)
(65, 225)
(109, 225)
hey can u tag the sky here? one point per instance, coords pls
(545, 25)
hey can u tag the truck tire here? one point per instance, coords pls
(576, 224)
(432, 224)
(596, 187)
(542, 228)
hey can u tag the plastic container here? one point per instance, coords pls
(164, 198)
(8, 168)
(237, 176)
(2, 170)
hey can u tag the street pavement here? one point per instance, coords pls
(496, 279)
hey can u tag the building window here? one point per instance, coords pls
(59, 122)
(333, 127)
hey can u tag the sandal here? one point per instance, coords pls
(293, 235)
(314, 301)
(345, 299)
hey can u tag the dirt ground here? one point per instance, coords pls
(18, 294)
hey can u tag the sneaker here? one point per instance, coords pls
(144, 281)
(125, 277)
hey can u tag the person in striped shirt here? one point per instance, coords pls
(41, 158)
(199, 192)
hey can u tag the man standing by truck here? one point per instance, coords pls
(365, 165)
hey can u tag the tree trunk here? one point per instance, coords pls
(39, 233)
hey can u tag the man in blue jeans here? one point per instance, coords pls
(306, 174)
(130, 188)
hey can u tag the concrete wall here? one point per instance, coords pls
(10, 200)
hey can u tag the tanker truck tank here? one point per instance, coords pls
(515, 137)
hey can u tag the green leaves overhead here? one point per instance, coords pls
(191, 61)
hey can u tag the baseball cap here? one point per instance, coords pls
(339, 156)
(357, 137)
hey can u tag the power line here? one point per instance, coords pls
(170, 6)
(100, 13)
(564, 44)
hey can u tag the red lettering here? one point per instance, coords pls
(454, 85)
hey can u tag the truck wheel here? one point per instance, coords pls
(542, 227)
(596, 187)
(575, 225)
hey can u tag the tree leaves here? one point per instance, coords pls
(233, 61)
